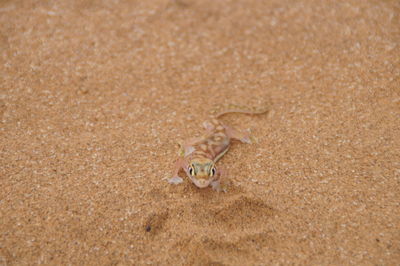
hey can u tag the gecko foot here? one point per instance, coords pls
(175, 180)
(216, 185)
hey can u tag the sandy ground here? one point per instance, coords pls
(96, 95)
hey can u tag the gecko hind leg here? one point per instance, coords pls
(208, 126)
(240, 135)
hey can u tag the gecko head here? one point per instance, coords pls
(201, 171)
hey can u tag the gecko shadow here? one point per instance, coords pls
(241, 212)
(231, 232)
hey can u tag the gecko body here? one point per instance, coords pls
(199, 155)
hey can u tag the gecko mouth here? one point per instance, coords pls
(201, 183)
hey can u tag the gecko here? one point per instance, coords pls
(199, 155)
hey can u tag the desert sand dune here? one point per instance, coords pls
(95, 96)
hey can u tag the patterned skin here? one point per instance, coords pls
(199, 155)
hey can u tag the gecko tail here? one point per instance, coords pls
(243, 110)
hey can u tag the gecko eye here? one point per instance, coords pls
(191, 171)
(213, 171)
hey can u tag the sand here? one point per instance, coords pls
(95, 96)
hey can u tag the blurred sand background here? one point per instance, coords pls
(95, 96)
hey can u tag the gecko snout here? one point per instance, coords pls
(201, 183)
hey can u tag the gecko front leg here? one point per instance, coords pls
(176, 179)
(216, 184)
